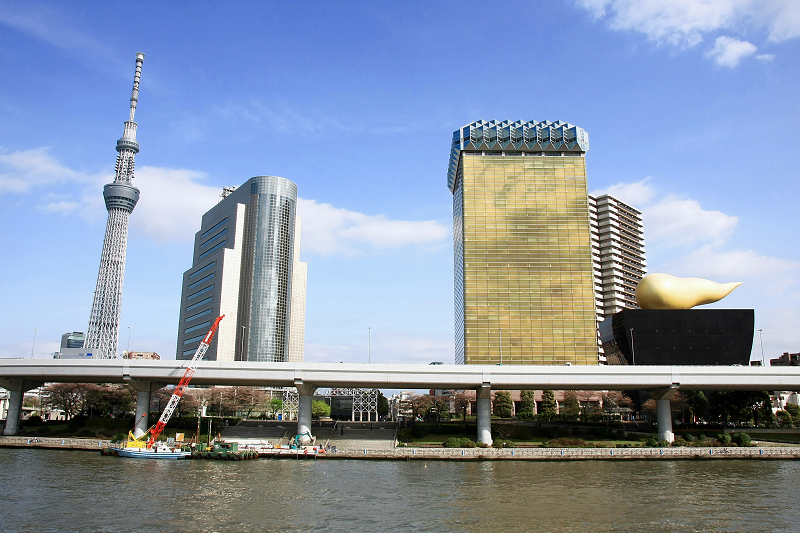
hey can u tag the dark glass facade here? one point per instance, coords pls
(679, 336)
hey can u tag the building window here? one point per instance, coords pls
(217, 225)
(198, 326)
(198, 304)
(198, 272)
(194, 339)
(196, 283)
(210, 250)
(215, 237)
(198, 315)
(198, 293)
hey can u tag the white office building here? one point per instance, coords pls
(244, 262)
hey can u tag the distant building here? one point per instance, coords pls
(243, 268)
(618, 253)
(141, 355)
(72, 340)
(72, 347)
(524, 284)
(787, 359)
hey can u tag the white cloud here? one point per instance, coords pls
(21, 170)
(680, 221)
(727, 51)
(683, 23)
(765, 57)
(709, 261)
(171, 203)
(62, 207)
(638, 193)
(672, 220)
(328, 230)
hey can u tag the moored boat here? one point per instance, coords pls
(156, 452)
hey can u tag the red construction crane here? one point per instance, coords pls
(187, 377)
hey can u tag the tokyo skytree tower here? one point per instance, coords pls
(121, 197)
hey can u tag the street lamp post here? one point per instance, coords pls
(34, 341)
(633, 351)
(761, 341)
(129, 341)
(501, 346)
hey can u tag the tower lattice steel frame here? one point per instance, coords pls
(120, 196)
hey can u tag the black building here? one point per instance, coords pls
(678, 337)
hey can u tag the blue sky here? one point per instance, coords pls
(691, 108)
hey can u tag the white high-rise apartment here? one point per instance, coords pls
(618, 253)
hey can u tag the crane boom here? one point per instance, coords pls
(184, 382)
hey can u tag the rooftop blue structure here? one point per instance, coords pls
(518, 136)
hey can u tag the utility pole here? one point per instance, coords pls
(761, 340)
(129, 341)
(633, 352)
(501, 346)
(34, 341)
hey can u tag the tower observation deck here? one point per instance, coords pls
(120, 196)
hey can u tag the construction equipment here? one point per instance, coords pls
(184, 382)
(295, 443)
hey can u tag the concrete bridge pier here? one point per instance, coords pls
(664, 411)
(305, 393)
(144, 390)
(484, 414)
(16, 392)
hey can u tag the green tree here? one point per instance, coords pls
(383, 405)
(527, 404)
(696, 402)
(462, 402)
(275, 406)
(549, 405)
(784, 419)
(440, 406)
(502, 405)
(320, 409)
(794, 411)
(571, 407)
(742, 406)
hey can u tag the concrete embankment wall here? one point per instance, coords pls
(54, 443)
(559, 454)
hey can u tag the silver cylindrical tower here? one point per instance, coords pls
(120, 197)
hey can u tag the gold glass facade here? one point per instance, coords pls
(523, 260)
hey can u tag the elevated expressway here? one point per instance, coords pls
(19, 376)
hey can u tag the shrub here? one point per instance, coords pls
(741, 439)
(679, 442)
(566, 442)
(404, 435)
(724, 438)
(85, 433)
(701, 437)
(452, 442)
(523, 433)
(419, 431)
(651, 442)
(688, 437)
(34, 420)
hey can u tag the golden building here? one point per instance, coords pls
(524, 286)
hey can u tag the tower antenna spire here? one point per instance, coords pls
(136, 77)
(121, 197)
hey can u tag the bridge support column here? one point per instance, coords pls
(664, 411)
(16, 391)
(484, 414)
(305, 393)
(144, 390)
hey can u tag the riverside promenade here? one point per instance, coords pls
(469, 454)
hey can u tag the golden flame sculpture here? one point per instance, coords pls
(662, 291)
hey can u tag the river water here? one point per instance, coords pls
(54, 490)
